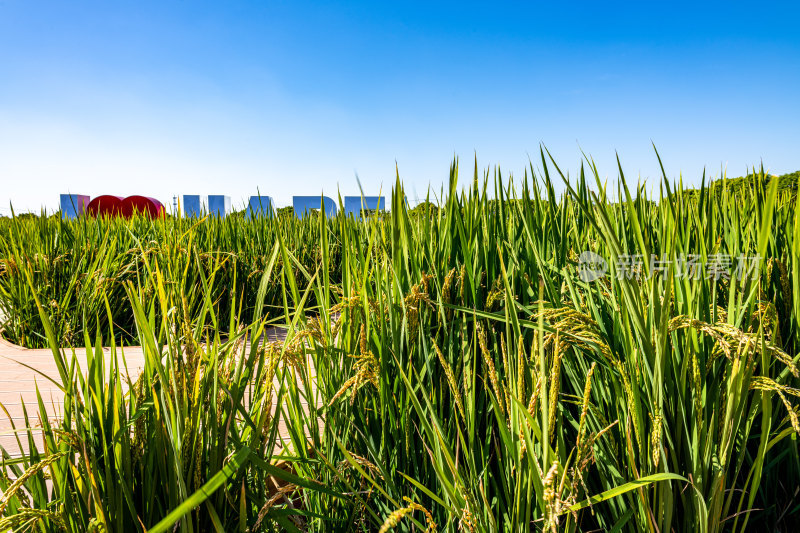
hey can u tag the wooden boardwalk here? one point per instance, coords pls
(18, 385)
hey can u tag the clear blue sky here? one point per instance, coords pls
(167, 97)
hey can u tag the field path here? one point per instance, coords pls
(18, 385)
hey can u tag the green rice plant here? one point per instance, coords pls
(76, 263)
(443, 369)
(190, 444)
(470, 371)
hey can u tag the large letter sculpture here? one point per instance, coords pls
(142, 205)
(260, 206)
(108, 205)
(105, 205)
(355, 205)
(73, 205)
(304, 204)
(194, 205)
(219, 205)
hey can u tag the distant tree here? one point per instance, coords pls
(425, 209)
(285, 212)
(743, 184)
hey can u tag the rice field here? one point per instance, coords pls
(505, 357)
